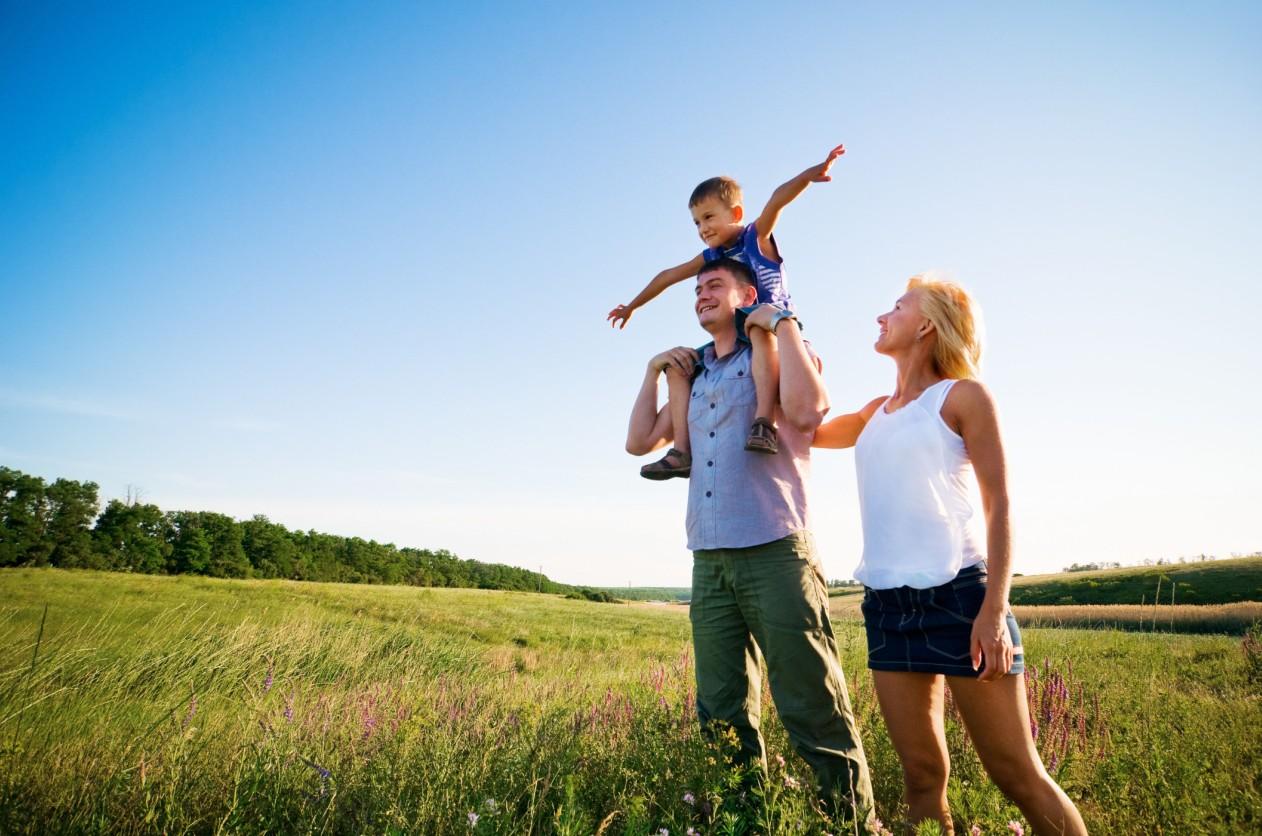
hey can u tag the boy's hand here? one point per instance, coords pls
(819, 173)
(620, 314)
(766, 317)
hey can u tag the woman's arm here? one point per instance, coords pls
(970, 411)
(843, 431)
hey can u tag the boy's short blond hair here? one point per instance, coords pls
(724, 188)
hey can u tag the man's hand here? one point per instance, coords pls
(990, 641)
(819, 173)
(681, 358)
(620, 314)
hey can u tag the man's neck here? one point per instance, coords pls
(724, 342)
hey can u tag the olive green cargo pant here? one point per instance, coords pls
(774, 597)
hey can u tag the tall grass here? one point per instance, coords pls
(153, 704)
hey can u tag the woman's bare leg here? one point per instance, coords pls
(998, 721)
(912, 705)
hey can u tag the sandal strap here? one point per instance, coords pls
(762, 428)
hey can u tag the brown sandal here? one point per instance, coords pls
(674, 463)
(762, 437)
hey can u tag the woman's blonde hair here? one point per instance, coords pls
(957, 351)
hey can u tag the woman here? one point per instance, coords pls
(935, 603)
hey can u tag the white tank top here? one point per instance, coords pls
(915, 488)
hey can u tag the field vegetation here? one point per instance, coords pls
(1200, 582)
(1233, 619)
(132, 703)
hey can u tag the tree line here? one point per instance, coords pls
(62, 524)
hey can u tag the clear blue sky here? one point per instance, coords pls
(347, 265)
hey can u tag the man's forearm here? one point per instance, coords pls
(803, 396)
(643, 415)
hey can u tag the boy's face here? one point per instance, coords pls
(717, 223)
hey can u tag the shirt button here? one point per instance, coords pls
(707, 493)
(709, 464)
(740, 373)
(712, 405)
(711, 433)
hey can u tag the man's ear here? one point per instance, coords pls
(749, 295)
(738, 212)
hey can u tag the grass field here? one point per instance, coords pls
(156, 704)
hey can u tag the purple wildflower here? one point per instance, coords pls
(267, 681)
(689, 799)
(473, 819)
(1015, 827)
(790, 782)
(975, 830)
(289, 709)
(192, 712)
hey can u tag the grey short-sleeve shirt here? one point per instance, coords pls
(737, 498)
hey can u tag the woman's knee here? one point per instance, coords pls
(1019, 778)
(925, 774)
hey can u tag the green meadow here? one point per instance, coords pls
(141, 704)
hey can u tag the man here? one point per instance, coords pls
(756, 582)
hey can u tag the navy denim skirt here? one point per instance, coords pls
(928, 630)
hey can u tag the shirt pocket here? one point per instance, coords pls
(736, 388)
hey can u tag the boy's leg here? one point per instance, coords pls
(766, 370)
(678, 460)
(679, 391)
(785, 601)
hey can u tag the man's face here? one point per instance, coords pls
(719, 294)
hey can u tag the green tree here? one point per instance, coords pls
(227, 557)
(190, 547)
(23, 519)
(269, 547)
(72, 508)
(133, 537)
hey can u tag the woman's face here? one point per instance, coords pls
(900, 325)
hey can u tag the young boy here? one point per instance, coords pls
(718, 213)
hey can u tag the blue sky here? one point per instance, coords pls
(348, 265)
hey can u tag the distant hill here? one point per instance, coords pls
(649, 593)
(1208, 582)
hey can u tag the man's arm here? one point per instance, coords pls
(786, 194)
(650, 428)
(842, 432)
(803, 396)
(666, 278)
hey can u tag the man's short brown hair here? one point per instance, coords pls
(724, 188)
(738, 270)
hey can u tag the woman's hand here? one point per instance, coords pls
(991, 642)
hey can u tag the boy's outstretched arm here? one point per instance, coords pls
(621, 314)
(785, 194)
